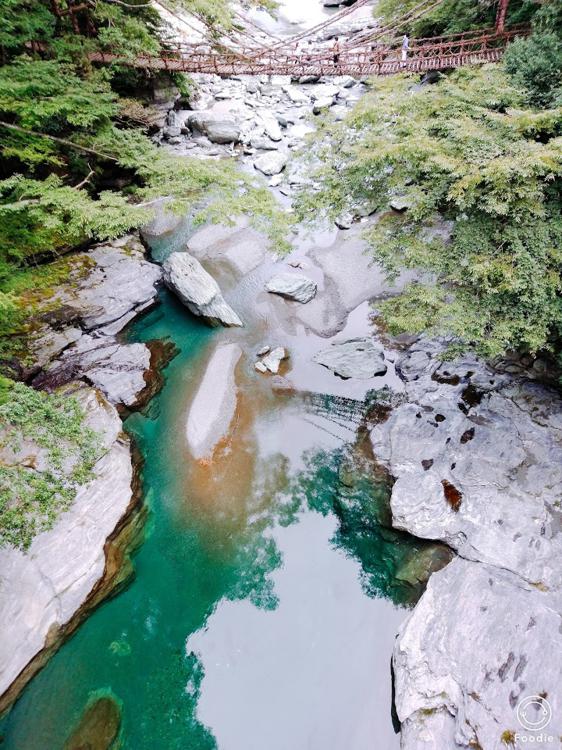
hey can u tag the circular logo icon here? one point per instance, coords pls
(534, 713)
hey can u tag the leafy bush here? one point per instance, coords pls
(535, 64)
(453, 16)
(59, 449)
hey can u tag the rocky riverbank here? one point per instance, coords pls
(477, 458)
(47, 590)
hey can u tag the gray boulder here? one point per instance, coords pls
(477, 459)
(322, 104)
(119, 370)
(271, 163)
(292, 286)
(217, 128)
(197, 289)
(356, 358)
(120, 281)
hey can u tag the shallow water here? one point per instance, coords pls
(264, 606)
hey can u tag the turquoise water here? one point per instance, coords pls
(257, 619)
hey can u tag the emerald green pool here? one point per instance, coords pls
(262, 624)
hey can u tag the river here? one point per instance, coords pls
(255, 619)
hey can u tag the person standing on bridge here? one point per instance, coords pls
(405, 46)
(336, 50)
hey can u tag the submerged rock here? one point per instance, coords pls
(163, 222)
(99, 726)
(213, 408)
(292, 286)
(356, 358)
(197, 289)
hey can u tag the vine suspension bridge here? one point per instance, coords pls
(375, 51)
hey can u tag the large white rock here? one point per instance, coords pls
(42, 588)
(477, 460)
(213, 408)
(478, 642)
(293, 286)
(271, 162)
(197, 289)
(120, 281)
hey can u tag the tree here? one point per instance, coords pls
(481, 178)
(535, 63)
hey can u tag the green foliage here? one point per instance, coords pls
(453, 16)
(51, 452)
(482, 179)
(535, 63)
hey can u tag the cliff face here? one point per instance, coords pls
(477, 457)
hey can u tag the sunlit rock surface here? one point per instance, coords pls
(197, 289)
(479, 641)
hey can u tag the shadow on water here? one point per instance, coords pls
(193, 565)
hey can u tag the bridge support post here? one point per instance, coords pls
(501, 14)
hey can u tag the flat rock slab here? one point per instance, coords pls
(213, 408)
(356, 358)
(120, 281)
(197, 289)
(292, 286)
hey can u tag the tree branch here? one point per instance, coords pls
(62, 141)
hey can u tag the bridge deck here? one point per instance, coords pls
(454, 51)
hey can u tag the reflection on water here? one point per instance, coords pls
(302, 675)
